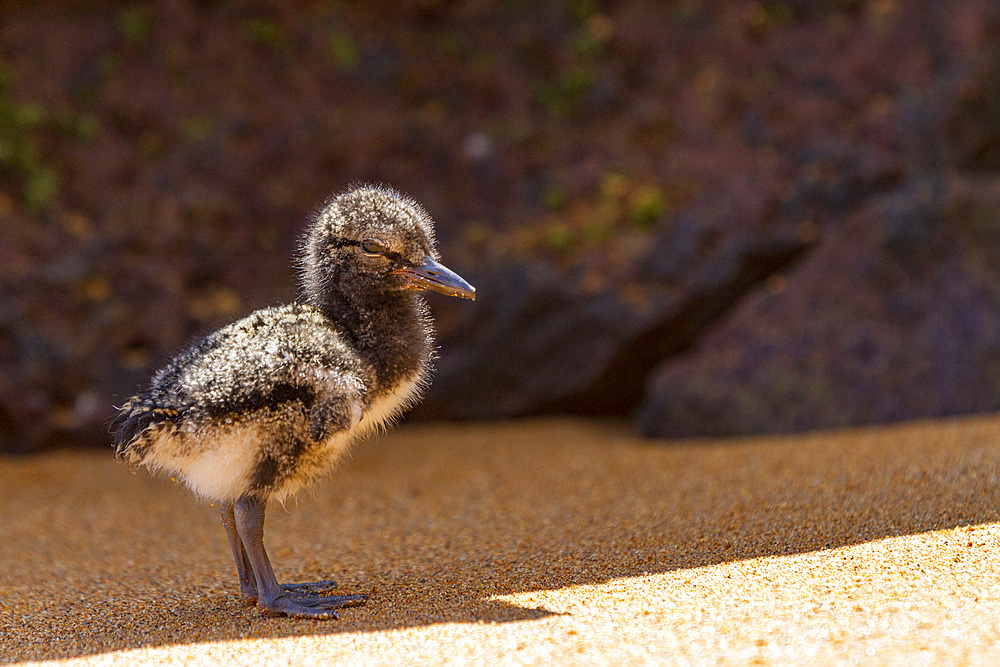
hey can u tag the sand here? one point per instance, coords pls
(539, 541)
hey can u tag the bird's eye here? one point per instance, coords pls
(371, 247)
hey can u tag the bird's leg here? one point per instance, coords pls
(248, 585)
(249, 515)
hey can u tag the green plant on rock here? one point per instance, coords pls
(79, 127)
(555, 198)
(344, 51)
(196, 128)
(267, 34)
(646, 206)
(563, 93)
(619, 209)
(135, 23)
(20, 158)
(559, 239)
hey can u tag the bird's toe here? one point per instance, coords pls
(313, 606)
(310, 588)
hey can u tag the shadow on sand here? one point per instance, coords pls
(437, 522)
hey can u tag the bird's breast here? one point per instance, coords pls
(385, 408)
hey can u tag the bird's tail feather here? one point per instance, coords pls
(134, 418)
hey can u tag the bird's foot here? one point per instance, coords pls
(312, 605)
(310, 588)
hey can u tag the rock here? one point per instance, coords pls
(537, 342)
(896, 316)
(765, 134)
(974, 128)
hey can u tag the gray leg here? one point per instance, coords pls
(249, 516)
(248, 585)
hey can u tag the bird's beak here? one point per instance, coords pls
(434, 276)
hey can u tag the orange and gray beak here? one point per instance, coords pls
(435, 277)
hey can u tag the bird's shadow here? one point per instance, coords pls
(441, 527)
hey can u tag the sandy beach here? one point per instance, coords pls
(563, 541)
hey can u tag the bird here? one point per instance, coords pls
(268, 405)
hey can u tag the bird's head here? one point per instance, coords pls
(375, 239)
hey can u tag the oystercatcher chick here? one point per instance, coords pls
(269, 404)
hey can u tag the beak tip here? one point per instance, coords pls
(435, 277)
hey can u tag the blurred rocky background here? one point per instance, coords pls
(715, 218)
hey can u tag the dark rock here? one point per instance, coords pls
(186, 169)
(913, 218)
(538, 343)
(857, 336)
(974, 128)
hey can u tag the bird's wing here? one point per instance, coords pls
(267, 360)
(271, 358)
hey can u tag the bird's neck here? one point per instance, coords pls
(391, 331)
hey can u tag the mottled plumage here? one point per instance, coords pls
(263, 407)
